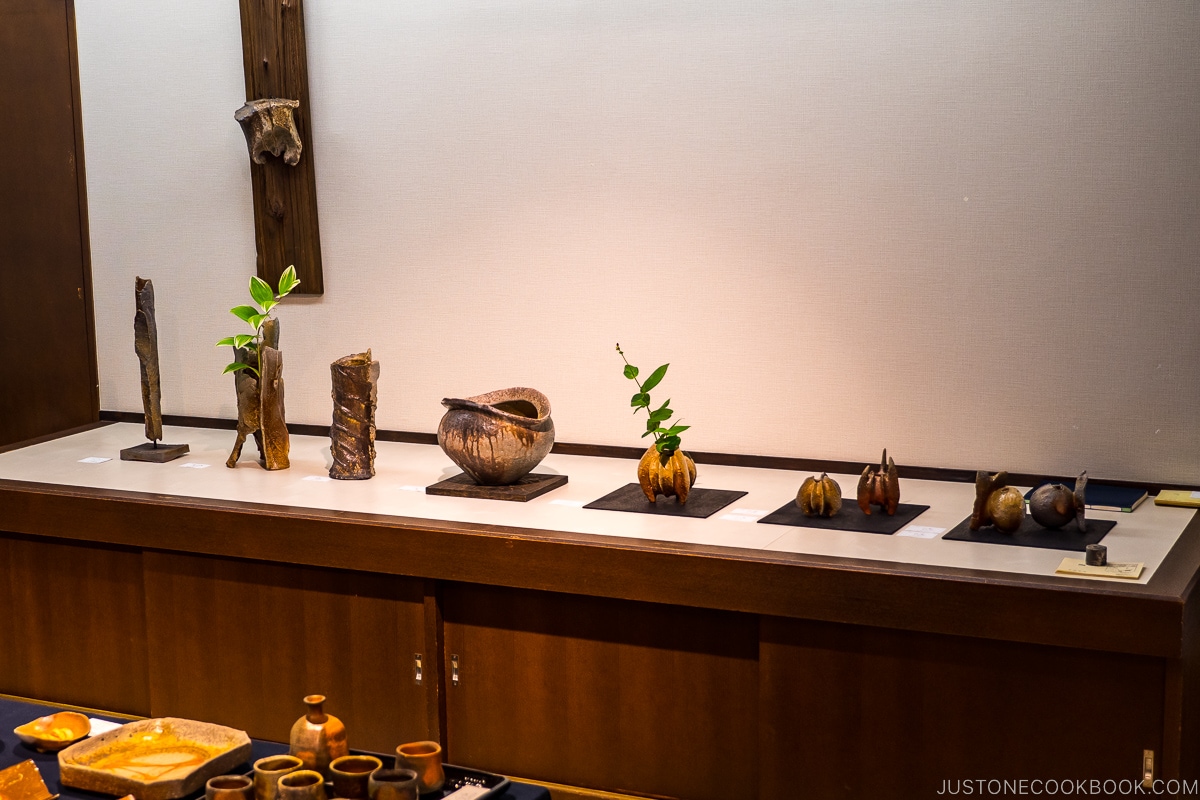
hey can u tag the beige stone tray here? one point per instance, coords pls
(153, 759)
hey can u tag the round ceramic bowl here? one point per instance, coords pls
(53, 732)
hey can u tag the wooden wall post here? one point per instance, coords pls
(285, 197)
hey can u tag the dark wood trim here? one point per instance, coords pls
(814, 465)
(434, 663)
(85, 240)
(1141, 619)
(52, 436)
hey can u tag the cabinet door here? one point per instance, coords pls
(73, 624)
(47, 357)
(242, 642)
(852, 712)
(599, 693)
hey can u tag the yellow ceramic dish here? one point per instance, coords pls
(53, 732)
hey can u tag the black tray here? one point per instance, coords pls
(456, 778)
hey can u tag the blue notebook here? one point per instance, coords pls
(1102, 497)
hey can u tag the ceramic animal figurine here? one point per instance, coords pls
(318, 738)
(1054, 505)
(819, 497)
(498, 437)
(997, 503)
(879, 486)
(674, 478)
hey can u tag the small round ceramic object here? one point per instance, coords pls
(1096, 555)
(268, 771)
(53, 732)
(303, 784)
(229, 787)
(1006, 508)
(1052, 505)
(819, 497)
(351, 775)
(424, 758)
(393, 784)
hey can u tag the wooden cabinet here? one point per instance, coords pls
(661, 669)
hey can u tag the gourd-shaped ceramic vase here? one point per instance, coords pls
(498, 437)
(674, 478)
(318, 738)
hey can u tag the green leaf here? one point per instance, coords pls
(260, 290)
(288, 280)
(640, 400)
(228, 340)
(660, 415)
(631, 371)
(675, 430)
(242, 339)
(647, 433)
(244, 312)
(668, 443)
(267, 306)
(655, 378)
(257, 320)
(237, 365)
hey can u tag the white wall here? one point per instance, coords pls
(964, 230)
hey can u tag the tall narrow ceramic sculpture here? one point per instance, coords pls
(258, 369)
(145, 344)
(352, 435)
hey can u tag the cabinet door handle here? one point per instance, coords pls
(454, 669)
(418, 672)
(1147, 769)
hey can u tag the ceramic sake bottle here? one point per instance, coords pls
(318, 738)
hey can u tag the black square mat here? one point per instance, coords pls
(849, 518)
(701, 502)
(1031, 534)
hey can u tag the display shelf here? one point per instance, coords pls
(404, 470)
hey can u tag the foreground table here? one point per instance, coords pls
(13, 751)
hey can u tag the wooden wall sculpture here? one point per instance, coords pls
(285, 196)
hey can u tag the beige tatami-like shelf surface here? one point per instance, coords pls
(404, 470)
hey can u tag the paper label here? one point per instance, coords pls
(571, 503)
(411, 488)
(467, 793)
(737, 518)
(94, 460)
(1196, 495)
(1078, 566)
(317, 478)
(100, 726)
(921, 532)
(194, 466)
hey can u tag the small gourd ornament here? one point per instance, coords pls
(1054, 505)
(819, 497)
(672, 477)
(880, 486)
(997, 503)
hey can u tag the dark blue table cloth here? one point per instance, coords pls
(12, 751)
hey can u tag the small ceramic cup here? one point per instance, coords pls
(351, 775)
(424, 758)
(229, 787)
(268, 771)
(393, 784)
(303, 784)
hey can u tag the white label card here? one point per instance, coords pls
(317, 478)
(1196, 495)
(738, 518)
(100, 726)
(467, 793)
(921, 532)
(410, 488)
(194, 466)
(572, 503)
(94, 460)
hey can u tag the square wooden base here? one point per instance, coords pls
(158, 455)
(532, 485)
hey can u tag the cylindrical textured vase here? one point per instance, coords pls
(352, 435)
